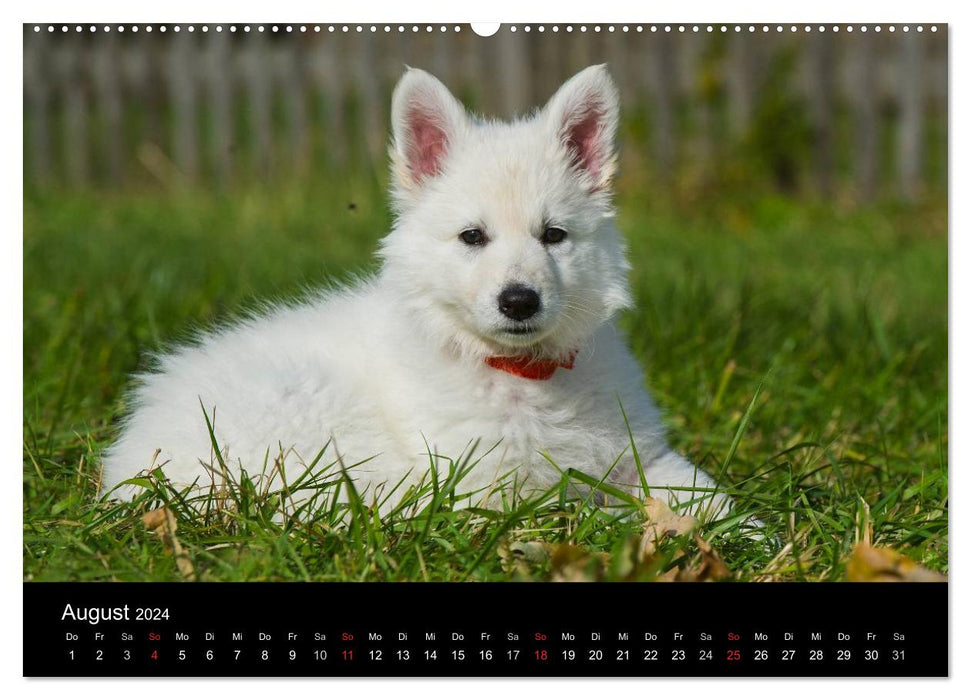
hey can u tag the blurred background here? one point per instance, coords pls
(863, 113)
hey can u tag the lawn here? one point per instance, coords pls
(798, 349)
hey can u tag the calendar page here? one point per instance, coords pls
(591, 349)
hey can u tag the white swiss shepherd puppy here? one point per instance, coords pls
(491, 319)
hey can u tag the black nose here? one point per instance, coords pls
(518, 302)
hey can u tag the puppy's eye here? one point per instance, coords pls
(553, 235)
(473, 236)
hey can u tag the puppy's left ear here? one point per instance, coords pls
(583, 115)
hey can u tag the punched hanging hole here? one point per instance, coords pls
(485, 28)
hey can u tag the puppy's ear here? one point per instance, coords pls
(426, 121)
(583, 115)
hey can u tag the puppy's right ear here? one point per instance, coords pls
(426, 121)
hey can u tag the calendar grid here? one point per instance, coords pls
(341, 629)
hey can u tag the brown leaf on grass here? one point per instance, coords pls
(154, 519)
(574, 565)
(637, 559)
(669, 576)
(532, 552)
(881, 564)
(707, 565)
(162, 521)
(523, 557)
(661, 523)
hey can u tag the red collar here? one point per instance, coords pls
(530, 368)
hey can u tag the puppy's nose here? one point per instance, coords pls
(518, 302)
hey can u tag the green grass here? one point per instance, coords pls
(799, 350)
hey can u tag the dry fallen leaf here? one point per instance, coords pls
(573, 564)
(523, 557)
(881, 564)
(532, 552)
(637, 559)
(669, 576)
(706, 566)
(164, 524)
(154, 519)
(662, 522)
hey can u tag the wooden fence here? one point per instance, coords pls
(210, 104)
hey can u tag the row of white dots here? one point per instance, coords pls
(726, 28)
(303, 28)
(246, 28)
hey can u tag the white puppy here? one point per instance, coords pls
(490, 320)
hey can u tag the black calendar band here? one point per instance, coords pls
(499, 630)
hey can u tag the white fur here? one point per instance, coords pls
(396, 365)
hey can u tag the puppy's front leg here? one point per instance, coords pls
(684, 486)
